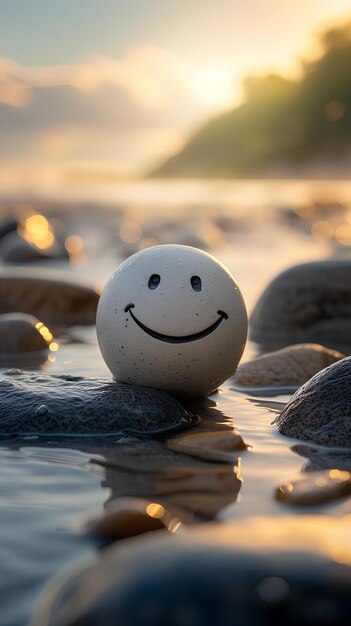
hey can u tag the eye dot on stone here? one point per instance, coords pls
(196, 283)
(154, 281)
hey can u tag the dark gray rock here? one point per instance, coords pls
(53, 300)
(44, 404)
(15, 249)
(320, 410)
(211, 575)
(306, 303)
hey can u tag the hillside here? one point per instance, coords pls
(281, 125)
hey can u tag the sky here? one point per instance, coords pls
(117, 86)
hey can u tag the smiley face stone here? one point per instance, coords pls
(172, 317)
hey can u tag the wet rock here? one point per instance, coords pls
(291, 366)
(317, 488)
(20, 332)
(128, 517)
(8, 226)
(54, 301)
(15, 249)
(73, 405)
(222, 445)
(260, 571)
(306, 303)
(320, 410)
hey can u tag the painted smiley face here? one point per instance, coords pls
(172, 317)
(174, 339)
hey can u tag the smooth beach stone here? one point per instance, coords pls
(306, 303)
(256, 571)
(73, 405)
(22, 333)
(53, 300)
(172, 317)
(128, 517)
(316, 488)
(222, 445)
(291, 366)
(320, 410)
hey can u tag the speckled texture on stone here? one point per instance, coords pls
(309, 302)
(320, 411)
(48, 404)
(292, 366)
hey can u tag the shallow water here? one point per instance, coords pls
(48, 489)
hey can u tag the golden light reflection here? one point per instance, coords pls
(130, 232)
(342, 555)
(343, 234)
(74, 245)
(322, 231)
(54, 346)
(155, 510)
(37, 231)
(321, 482)
(287, 487)
(174, 525)
(341, 475)
(44, 331)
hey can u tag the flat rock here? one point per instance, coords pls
(54, 301)
(306, 303)
(46, 404)
(290, 366)
(316, 488)
(320, 410)
(258, 572)
(222, 445)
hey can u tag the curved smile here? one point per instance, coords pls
(171, 339)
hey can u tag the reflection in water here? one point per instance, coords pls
(320, 457)
(189, 487)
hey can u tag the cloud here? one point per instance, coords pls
(147, 74)
(129, 112)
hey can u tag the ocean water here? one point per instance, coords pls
(48, 490)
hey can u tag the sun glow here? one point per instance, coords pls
(214, 86)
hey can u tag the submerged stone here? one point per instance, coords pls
(306, 303)
(129, 517)
(222, 445)
(320, 410)
(256, 571)
(46, 404)
(316, 488)
(320, 457)
(54, 301)
(290, 366)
